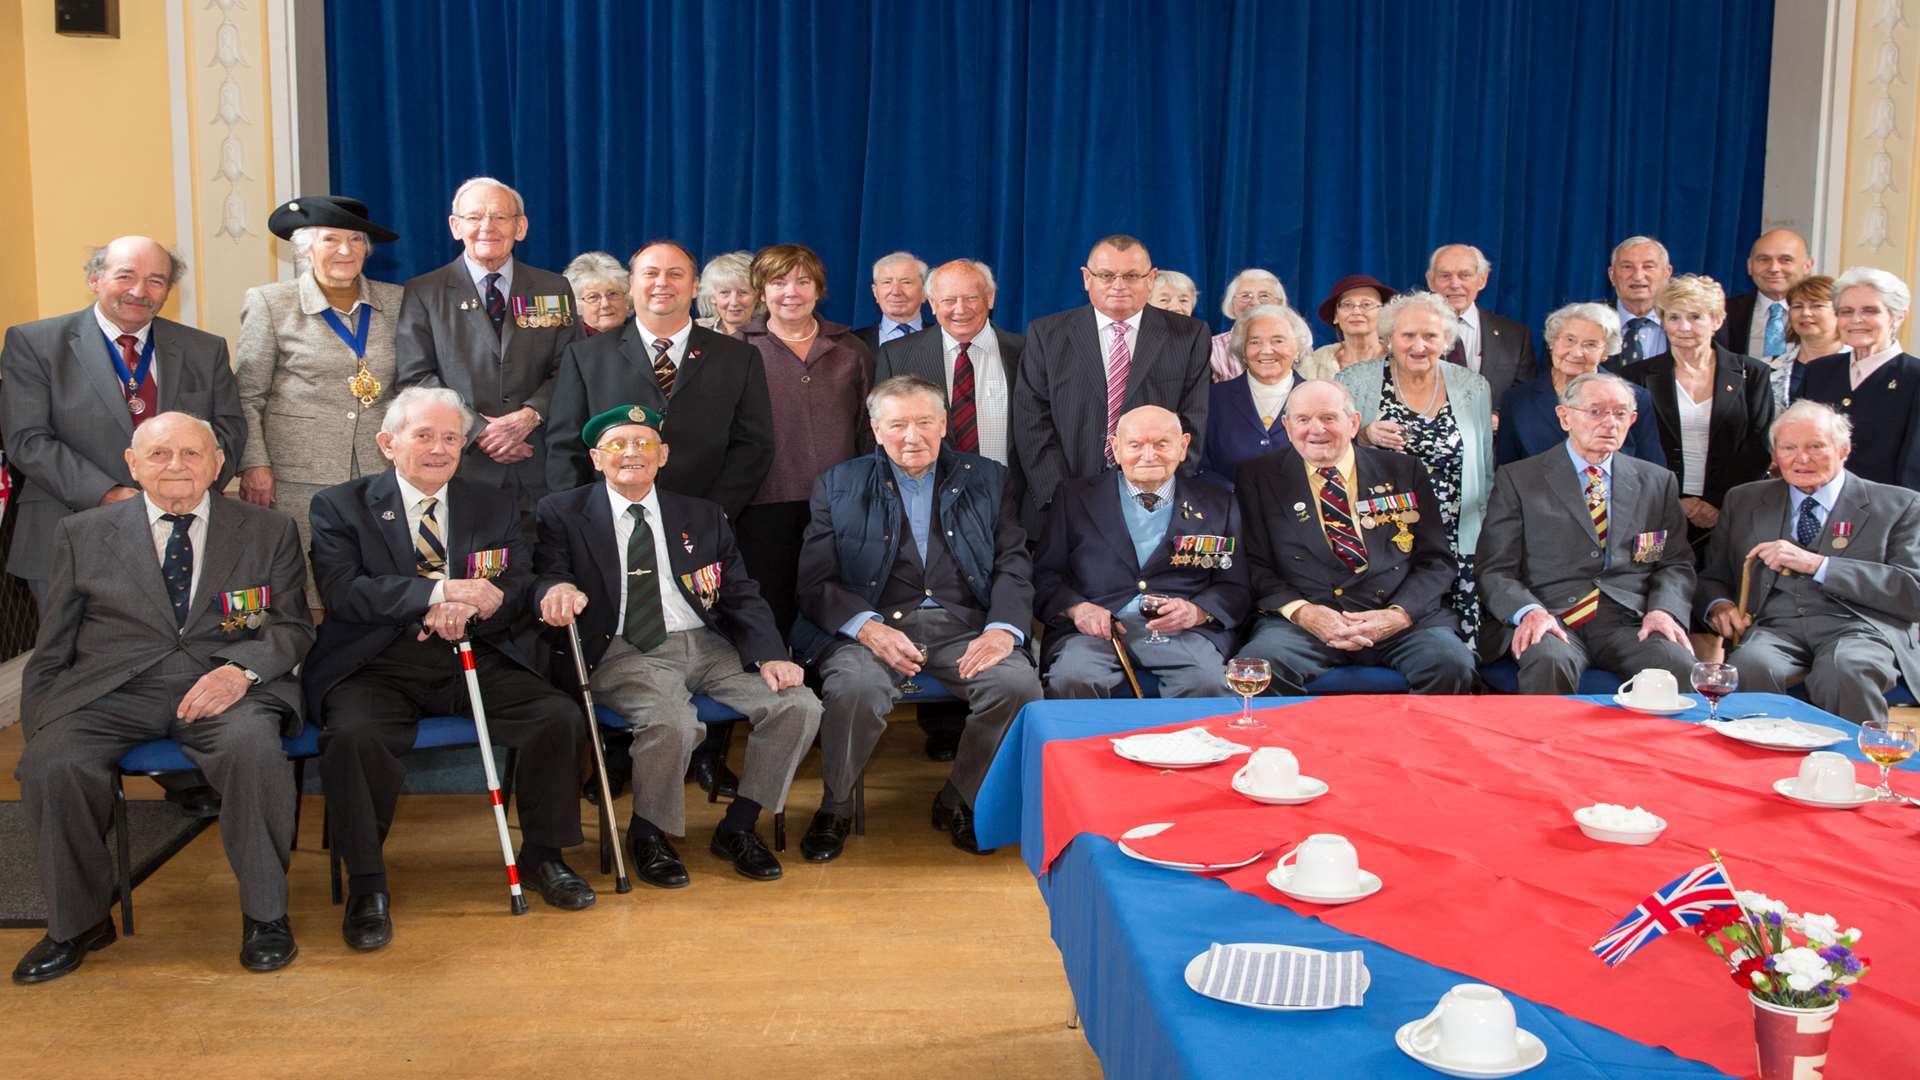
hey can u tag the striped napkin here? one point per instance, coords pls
(1314, 979)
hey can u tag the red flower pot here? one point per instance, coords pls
(1791, 1043)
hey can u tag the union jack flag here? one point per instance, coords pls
(1684, 901)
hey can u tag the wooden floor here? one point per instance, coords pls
(904, 958)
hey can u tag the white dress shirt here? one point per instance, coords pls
(990, 396)
(1105, 326)
(1470, 337)
(679, 614)
(410, 497)
(196, 535)
(139, 344)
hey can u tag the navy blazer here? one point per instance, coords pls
(1529, 426)
(1087, 556)
(1884, 410)
(1234, 432)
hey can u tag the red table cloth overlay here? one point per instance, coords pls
(1464, 807)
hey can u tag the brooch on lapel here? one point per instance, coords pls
(469, 304)
(386, 515)
(1300, 511)
(245, 607)
(686, 543)
(692, 354)
(1188, 512)
(1842, 532)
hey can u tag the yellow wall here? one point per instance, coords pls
(17, 281)
(1879, 224)
(99, 143)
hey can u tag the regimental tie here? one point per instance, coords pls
(1630, 352)
(1119, 363)
(143, 391)
(177, 568)
(1337, 514)
(1596, 506)
(496, 304)
(965, 419)
(663, 369)
(429, 545)
(646, 623)
(1806, 528)
(1148, 499)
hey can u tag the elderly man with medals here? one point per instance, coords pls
(1350, 565)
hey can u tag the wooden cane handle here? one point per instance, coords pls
(1746, 586)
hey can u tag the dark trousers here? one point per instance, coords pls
(1433, 661)
(769, 538)
(369, 721)
(1609, 641)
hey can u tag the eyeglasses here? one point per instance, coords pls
(1574, 344)
(642, 444)
(1357, 306)
(595, 299)
(1597, 413)
(1108, 277)
(474, 221)
(1262, 297)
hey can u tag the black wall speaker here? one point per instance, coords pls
(87, 18)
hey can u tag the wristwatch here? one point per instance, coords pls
(252, 679)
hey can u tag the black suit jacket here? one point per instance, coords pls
(924, 355)
(1506, 353)
(1087, 556)
(363, 565)
(577, 546)
(871, 332)
(719, 421)
(1290, 559)
(1885, 411)
(1735, 335)
(1743, 406)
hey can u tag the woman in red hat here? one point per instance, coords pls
(1352, 307)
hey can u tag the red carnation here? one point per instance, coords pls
(1717, 919)
(1743, 975)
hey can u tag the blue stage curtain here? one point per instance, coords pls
(1315, 139)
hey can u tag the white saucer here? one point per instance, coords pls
(1280, 878)
(1159, 827)
(1199, 963)
(1777, 733)
(1309, 790)
(1532, 1052)
(1862, 795)
(1681, 703)
(1216, 758)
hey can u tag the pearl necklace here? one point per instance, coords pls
(808, 336)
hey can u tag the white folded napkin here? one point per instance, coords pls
(1310, 979)
(1783, 732)
(1187, 744)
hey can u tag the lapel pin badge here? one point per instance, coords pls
(386, 515)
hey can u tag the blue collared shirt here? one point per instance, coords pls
(1580, 467)
(479, 274)
(889, 330)
(1825, 498)
(1653, 338)
(1146, 528)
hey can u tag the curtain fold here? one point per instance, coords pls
(1314, 139)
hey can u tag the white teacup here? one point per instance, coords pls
(1273, 770)
(1324, 864)
(1825, 775)
(1654, 688)
(1472, 1025)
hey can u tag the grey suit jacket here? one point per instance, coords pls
(440, 343)
(1060, 401)
(293, 371)
(65, 418)
(108, 616)
(1539, 545)
(1876, 575)
(1506, 353)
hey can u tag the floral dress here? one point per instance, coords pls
(1437, 442)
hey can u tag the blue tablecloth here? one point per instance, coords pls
(1126, 931)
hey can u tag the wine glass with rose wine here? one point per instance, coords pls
(1247, 677)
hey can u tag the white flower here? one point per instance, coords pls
(1760, 903)
(1819, 929)
(1803, 968)
(1738, 956)
(1853, 936)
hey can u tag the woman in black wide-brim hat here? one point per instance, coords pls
(315, 360)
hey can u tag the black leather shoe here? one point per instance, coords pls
(51, 959)
(560, 887)
(749, 854)
(942, 745)
(267, 946)
(706, 771)
(826, 838)
(656, 863)
(367, 925)
(958, 820)
(199, 801)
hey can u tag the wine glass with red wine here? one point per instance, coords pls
(1713, 682)
(1152, 605)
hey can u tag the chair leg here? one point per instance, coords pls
(726, 750)
(779, 830)
(299, 782)
(860, 807)
(123, 854)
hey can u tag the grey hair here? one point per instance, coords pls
(1420, 299)
(1839, 428)
(1174, 279)
(901, 386)
(1257, 274)
(302, 244)
(919, 264)
(1893, 292)
(1347, 404)
(978, 267)
(1636, 241)
(731, 266)
(1296, 329)
(591, 266)
(1570, 397)
(407, 402)
(97, 263)
(1607, 319)
(519, 204)
(1481, 266)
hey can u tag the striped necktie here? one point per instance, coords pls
(646, 623)
(1596, 506)
(965, 419)
(1119, 362)
(663, 368)
(1337, 517)
(429, 546)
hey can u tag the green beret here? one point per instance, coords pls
(616, 416)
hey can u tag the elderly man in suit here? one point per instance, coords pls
(667, 611)
(1362, 576)
(404, 557)
(1638, 270)
(176, 614)
(1493, 346)
(913, 561)
(492, 329)
(1834, 591)
(1086, 366)
(1584, 557)
(74, 387)
(977, 362)
(899, 287)
(1757, 321)
(1145, 558)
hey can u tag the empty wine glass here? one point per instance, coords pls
(1247, 677)
(1713, 682)
(1888, 743)
(907, 685)
(1151, 605)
